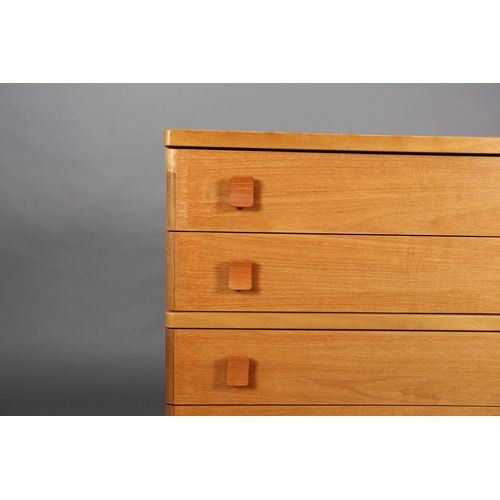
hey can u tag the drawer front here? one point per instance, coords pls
(338, 367)
(335, 193)
(326, 410)
(332, 273)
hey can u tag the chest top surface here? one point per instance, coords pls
(178, 138)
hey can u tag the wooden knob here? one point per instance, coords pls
(241, 192)
(240, 274)
(238, 370)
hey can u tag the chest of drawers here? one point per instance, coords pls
(321, 274)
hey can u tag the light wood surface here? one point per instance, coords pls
(170, 271)
(329, 142)
(169, 362)
(238, 369)
(356, 411)
(240, 275)
(334, 321)
(309, 273)
(171, 155)
(339, 193)
(325, 327)
(241, 191)
(342, 367)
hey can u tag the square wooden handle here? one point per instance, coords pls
(241, 192)
(238, 370)
(240, 274)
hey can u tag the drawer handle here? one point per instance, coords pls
(240, 275)
(241, 192)
(238, 370)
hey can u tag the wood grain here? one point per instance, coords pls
(323, 281)
(170, 268)
(238, 369)
(330, 142)
(356, 411)
(240, 275)
(341, 367)
(309, 273)
(334, 321)
(340, 193)
(169, 365)
(171, 155)
(241, 192)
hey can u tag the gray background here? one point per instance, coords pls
(82, 217)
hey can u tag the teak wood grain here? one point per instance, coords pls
(170, 188)
(240, 275)
(169, 358)
(237, 373)
(343, 367)
(241, 190)
(334, 321)
(170, 270)
(339, 193)
(329, 142)
(327, 410)
(375, 294)
(290, 272)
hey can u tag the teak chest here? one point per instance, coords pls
(325, 274)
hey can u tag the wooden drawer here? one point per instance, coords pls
(337, 273)
(336, 367)
(336, 193)
(330, 410)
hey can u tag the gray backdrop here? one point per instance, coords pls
(82, 217)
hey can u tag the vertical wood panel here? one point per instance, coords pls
(170, 299)
(171, 155)
(169, 362)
